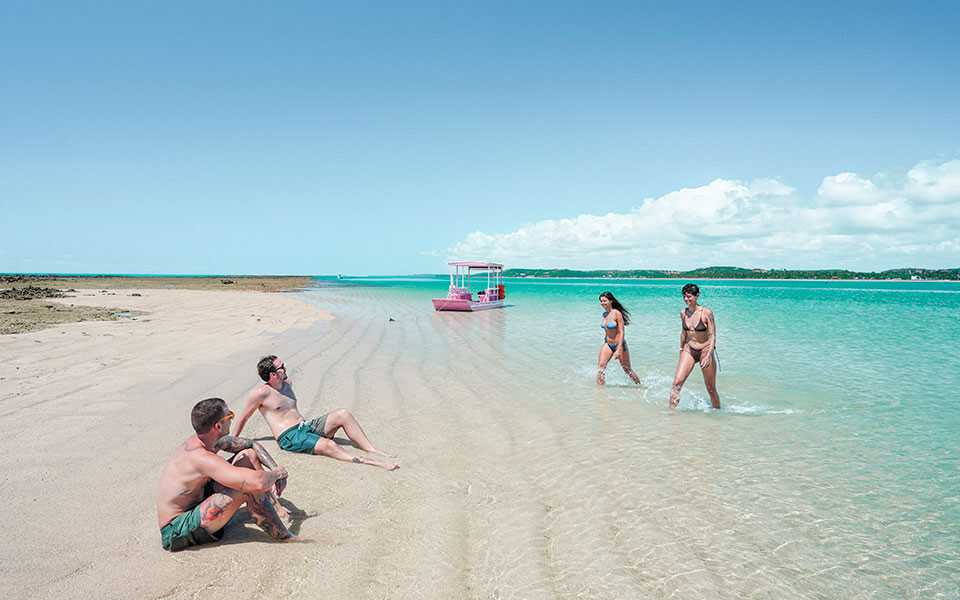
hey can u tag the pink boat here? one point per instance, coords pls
(459, 297)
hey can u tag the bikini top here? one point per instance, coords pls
(700, 326)
(604, 324)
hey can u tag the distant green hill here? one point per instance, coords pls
(741, 273)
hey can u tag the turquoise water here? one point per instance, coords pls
(830, 471)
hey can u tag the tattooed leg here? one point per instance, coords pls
(265, 514)
(217, 510)
(329, 448)
(265, 508)
(261, 458)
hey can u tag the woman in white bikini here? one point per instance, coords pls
(698, 344)
(615, 319)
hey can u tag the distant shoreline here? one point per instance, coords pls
(725, 272)
(540, 277)
(295, 282)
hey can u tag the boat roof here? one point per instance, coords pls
(474, 264)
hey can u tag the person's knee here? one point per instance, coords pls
(324, 446)
(246, 458)
(338, 417)
(217, 509)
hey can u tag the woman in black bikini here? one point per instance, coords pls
(698, 342)
(615, 319)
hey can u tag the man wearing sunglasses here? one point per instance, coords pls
(292, 432)
(200, 491)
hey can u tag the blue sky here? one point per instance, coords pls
(384, 138)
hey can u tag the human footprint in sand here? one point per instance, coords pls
(292, 432)
(200, 491)
(615, 319)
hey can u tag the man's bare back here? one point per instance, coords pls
(181, 482)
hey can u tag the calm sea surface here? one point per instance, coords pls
(830, 472)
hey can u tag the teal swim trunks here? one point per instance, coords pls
(185, 530)
(303, 436)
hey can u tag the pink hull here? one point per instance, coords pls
(464, 305)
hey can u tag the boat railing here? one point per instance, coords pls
(459, 293)
(489, 295)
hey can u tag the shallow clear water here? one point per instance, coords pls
(831, 471)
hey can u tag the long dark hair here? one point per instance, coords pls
(614, 303)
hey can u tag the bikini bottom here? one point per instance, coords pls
(614, 346)
(696, 354)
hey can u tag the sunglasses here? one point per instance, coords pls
(227, 416)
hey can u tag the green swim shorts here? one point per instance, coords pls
(185, 530)
(303, 436)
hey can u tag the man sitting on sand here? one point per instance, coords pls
(200, 491)
(292, 432)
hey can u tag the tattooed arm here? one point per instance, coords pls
(250, 481)
(267, 461)
(255, 483)
(232, 443)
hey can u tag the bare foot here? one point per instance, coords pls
(282, 512)
(391, 466)
(674, 397)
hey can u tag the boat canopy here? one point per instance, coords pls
(475, 264)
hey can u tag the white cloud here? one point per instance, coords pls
(849, 188)
(929, 182)
(853, 222)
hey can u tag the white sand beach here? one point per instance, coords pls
(91, 411)
(520, 478)
(88, 414)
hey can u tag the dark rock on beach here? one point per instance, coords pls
(30, 292)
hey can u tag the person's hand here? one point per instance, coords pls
(281, 481)
(706, 358)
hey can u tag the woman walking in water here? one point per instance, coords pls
(615, 318)
(698, 343)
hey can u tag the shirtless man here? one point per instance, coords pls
(200, 491)
(292, 433)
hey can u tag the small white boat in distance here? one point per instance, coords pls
(459, 297)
